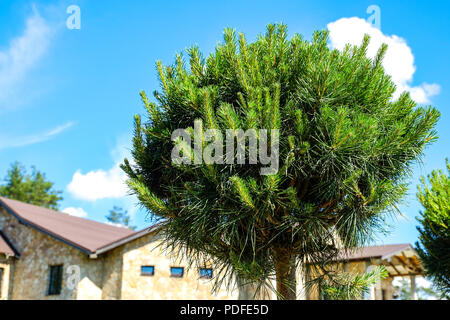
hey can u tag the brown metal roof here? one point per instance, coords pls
(373, 252)
(84, 234)
(6, 246)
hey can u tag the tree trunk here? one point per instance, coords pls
(285, 274)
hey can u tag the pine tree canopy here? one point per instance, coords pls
(120, 216)
(346, 148)
(434, 239)
(30, 188)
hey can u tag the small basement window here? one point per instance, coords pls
(147, 270)
(55, 280)
(176, 272)
(206, 273)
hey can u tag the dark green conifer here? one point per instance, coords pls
(346, 148)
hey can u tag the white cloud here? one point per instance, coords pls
(101, 184)
(398, 61)
(98, 184)
(116, 224)
(420, 281)
(14, 141)
(77, 212)
(22, 54)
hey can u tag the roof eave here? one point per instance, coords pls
(15, 253)
(387, 256)
(125, 240)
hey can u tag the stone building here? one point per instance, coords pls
(46, 254)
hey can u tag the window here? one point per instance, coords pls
(176, 272)
(1, 278)
(206, 273)
(147, 270)
(55, 280)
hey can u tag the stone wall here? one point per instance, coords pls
(146, 251)
(112, 275)
(356, 267)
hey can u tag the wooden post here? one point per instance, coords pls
(371, 295)
(378, 294)
(413, 287)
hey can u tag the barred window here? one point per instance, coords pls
(55, 280)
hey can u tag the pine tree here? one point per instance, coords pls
(345, 151)
(30, 188)
(434, 239)
(346, 286)
(119, 216)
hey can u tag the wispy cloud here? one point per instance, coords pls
(22, 54)
(13, 142)
(398, 61)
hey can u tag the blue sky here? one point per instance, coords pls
(67, 97)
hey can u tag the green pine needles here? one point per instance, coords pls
(434, 239)
(346, 286)
(345, 150)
